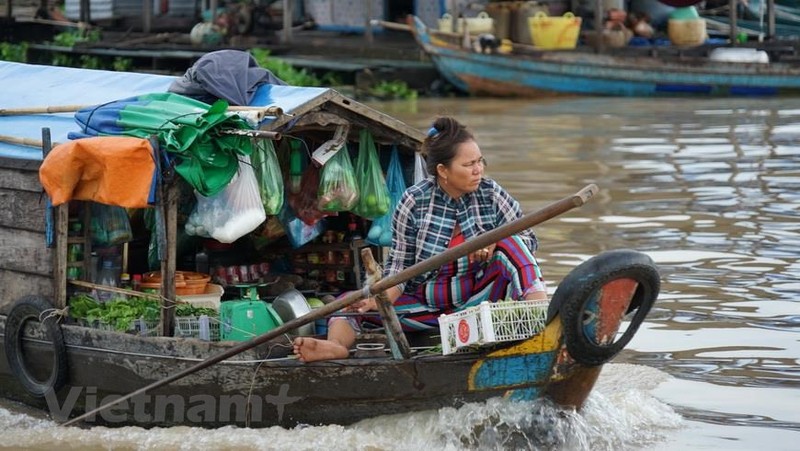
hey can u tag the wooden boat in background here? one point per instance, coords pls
(68, 369)
(631, 71)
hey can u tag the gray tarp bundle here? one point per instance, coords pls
(230, 75)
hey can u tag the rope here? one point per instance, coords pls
(59, 314)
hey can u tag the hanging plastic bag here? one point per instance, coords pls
(380, 233)
(297, 230)
(110, 225)
(233, 212)
(305, 202)
(268, 175)
(338, 190)
(420, 172)
(373, 200)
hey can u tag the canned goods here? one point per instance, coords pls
(232, 274)
(244, 274)
(255, 274)
(263, 268)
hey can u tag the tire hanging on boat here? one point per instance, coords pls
(30, 308)
(607, 286)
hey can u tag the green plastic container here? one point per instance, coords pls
(686, 13)
(244, 320)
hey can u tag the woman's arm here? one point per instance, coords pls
(508, 210)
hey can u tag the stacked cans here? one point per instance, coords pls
(241, 274)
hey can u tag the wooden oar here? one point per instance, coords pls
(435, 262)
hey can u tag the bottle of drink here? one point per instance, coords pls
(125, 282)
(352, 230)
(201, 262)
(136, 285)
(295, 167)
(106, 277)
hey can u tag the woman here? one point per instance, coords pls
(453, 205)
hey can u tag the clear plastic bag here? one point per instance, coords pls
(110, 225)
(338, 190)
(233, 212)
(373, 200)
(268, 175)
(420, 172)
(380, 233)
(305, 202)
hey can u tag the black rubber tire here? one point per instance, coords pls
(580, 286)
(30, 308)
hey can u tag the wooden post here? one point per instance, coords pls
(170, 210)
(598, 24)
(288, 12)
(147, 16)
(394, 332)
(60, 216)
(85, 11)
(771, 19)
(8, 8)
(368, 25)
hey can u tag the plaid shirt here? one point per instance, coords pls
(424, 220)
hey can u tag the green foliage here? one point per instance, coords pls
(70, 38)
(393, 90)
(284, 70)
(120, 313)
(121, 64)
(14, 52)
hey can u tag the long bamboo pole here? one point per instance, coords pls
(54, 109)
(531, 219)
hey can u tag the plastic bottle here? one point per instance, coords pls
(201, 262)
(106, 277)
(136, 284)
(125, 282)
(295, 167)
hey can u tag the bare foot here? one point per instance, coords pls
(312, 349)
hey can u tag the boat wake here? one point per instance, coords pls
(619, 414)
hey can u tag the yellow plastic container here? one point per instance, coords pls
(691, 32)
(555, 32)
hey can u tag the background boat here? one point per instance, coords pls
(631, 71)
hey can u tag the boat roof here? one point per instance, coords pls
(34, 86)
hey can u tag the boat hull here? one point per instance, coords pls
(255, 392)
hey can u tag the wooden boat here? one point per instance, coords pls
(631, 71)
(69, 370)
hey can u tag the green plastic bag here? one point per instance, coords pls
(338, 189)
(373, 200)
(268, 175)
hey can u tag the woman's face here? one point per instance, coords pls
(464, 173)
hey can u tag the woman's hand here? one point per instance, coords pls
(482, 255)
(362, 306)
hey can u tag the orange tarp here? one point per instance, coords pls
(111, 170)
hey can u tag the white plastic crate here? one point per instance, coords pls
(201, 327)
(211, 298)
(139, 326)
(492, 322)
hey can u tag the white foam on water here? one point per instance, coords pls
(619, 414)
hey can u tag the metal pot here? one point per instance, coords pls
(291, 304)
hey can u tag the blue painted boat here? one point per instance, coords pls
(640, 72)
(68, 369)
